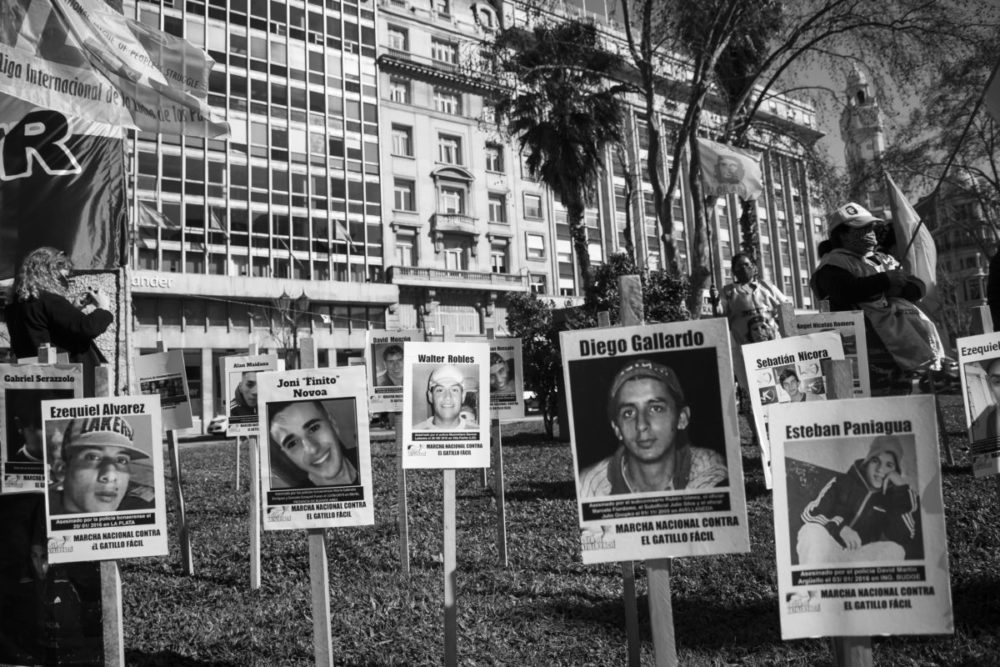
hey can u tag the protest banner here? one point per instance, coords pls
(727, 170)
(23, 387)
(851, 327)
(385, 360)
(444, 421)
(240, 377)
(104, 457)
(979, 362)
(859, 519)
(315, 453)
(655, 440)
(788, 370)
(506, 378)
(162, 374)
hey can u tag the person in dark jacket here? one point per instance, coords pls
(868, 513)
(42, 313)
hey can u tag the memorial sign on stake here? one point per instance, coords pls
(240, 377)
(22, 389)
(851, 327)
(162, 374)
(655, 438)
(445, 420)
(786, 371)
(979, 359)
(506, 379)
(859, 519)
(315, 453)
(385, 360)
(104, 457)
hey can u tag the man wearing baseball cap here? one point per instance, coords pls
(445, 394)
(855, 276)
(650, 416)
(95, 469)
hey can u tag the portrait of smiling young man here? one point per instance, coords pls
(308, 438)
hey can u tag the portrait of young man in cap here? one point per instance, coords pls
(501, 375)
(308, 448)
(446, 395)
(94, 471)
(650, 416)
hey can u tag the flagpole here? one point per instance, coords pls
(954, 153)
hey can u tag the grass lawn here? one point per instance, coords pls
(546, 608)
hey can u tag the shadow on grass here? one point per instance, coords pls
(169, 659)
(977, 604)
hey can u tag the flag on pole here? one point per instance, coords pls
(342, 233)
(726, 170)
(921, 258)
(215, 223)
(83, 59)
(150, 217)
(992, 97)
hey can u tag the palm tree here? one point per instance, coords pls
(563, 111)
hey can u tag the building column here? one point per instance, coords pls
(207, 388)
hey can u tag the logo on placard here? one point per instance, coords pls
(802, 602)
(60, 545)
(279, 513)
(593, 539)
(416, 449)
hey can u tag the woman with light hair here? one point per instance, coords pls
(42, 313)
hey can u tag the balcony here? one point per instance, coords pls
(454, 222)
(457, 75)
(416, 276)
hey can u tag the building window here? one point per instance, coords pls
(538, 284)
(402, 140)
(498, 258)
(494, 158)
(536, 246)
(451, 200)
(406, 251)
(498, 208)
(442, 6)
(447, 101)
(532, 206)
(444, 52)
(404, 195)
(399, 90)
(449, 149)
(454, 259)
(398, 38)
(596, 252)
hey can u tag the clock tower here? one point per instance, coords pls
(862, 130)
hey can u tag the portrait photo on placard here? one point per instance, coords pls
(243, 396)
(23, 414)
(853, 500)
(982, 380)
(313, 443)
(388, 364)
(632, 414)
(100, 464)
(445, 397)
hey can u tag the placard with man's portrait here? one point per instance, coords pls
(23, 387)
(851, 327)
(979, 361)
(384, 358)
(240, 377)
(105, 492)
(506, 378)
(859, 525)
(655, 439)
(315, 449)
(446, 411)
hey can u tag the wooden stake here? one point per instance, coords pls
(450, 572)
(661, 612)
(319, 571)
(183, 531)
(498, 491)
(239, 446)
(402, 518)
(847, 651)
(111, 582)
(254, 462)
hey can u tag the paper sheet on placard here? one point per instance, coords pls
(768, 363)
(644, 401)
(385, 358)
(162, 374)
(506, 378)
(23, 387)
(104, 458)
(834, 487)
(315, 452)
(446, 405)
(239, 375)
(979, 360)
(851, 327)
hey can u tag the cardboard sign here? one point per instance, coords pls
(240, 377)
(979, 359)
(315, 449)
(656, 447)
(104, 458)
(851, 327)
(385, 360)
(445, 424)
(162, 374)
(859, 518)
(506, 378)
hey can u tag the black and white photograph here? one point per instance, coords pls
(979, 363)
(506, 378)
(240, 376)
(385, 363)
